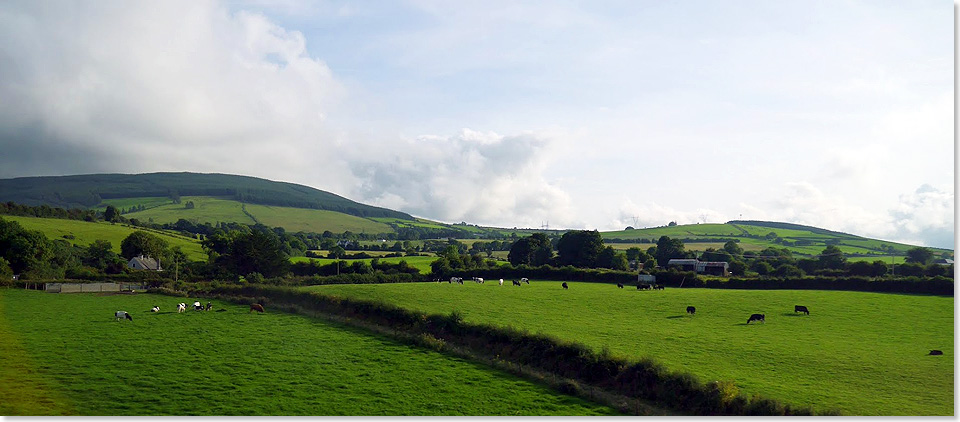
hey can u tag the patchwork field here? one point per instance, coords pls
(84, 233)
(211, 210)
(860, 353)
(73, 358)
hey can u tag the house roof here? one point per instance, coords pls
(145, 262)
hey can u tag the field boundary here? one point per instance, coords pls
(644, 380)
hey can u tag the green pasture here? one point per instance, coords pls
(85, 232)
(126, 203)
(206, 210)
(212, 210)
(64, 354)
(860, 353)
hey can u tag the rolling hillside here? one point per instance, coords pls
(84, 233)
(759, 235)
(88, 191)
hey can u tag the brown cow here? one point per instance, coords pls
(256, 307)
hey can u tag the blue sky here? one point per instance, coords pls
(599, 115)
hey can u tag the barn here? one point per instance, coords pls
(701, 267)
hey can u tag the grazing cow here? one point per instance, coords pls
(757, 317)
(644, 287)
(516, 283)
(619, 285)
(197, 306)
(256, 307)
(208, 307)
(123, 315)
(801, 308)
(525, 280)
(155, 309)
(691, 310)
(658, 287)
(501, 281)
(564, 285)
(480, 280)
(181, 307)
(936, 352)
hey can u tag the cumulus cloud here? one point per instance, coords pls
(478, 177)
(163, 86)
(925, 216)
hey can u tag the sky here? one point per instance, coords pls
(577, 115)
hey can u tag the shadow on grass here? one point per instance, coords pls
(793, 314)
(676, 316)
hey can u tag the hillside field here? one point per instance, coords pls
(421, 263)
(212, 210)
(751, 236)
(860, 353)
(75, 359)
(84, 233)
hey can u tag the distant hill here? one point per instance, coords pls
(758, 235)
(89, 191)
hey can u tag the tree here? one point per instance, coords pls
(761, 267)
(733, 248)
(609, 258)
(336, 252)
(579, 248)
(737, 268)
(533, 250)
(919, 255)
(111, 214)
(258, 251)
(633, 253)
(878, 268)
(100, 254)
(787, 270)
(833, 258)
(668, 249)
(189, 205)
(143, 243)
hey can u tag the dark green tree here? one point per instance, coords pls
(919, 255)
(143, 243)
(535, 249)
(668, 249)
(100, 254)
(832, 258)
(579, 248)
(733, 248)
(258, 251)
(111, 214)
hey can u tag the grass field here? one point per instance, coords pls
(211, 210)
(84, 233)
(73, 358)
(860, 353)
(752, 238)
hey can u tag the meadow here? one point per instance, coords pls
(84, 233)
(212, 210)
(859, 353)
(73, 358)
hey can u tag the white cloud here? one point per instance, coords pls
(481, 178)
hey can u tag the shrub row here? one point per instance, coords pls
(644, 379)
(938, 285)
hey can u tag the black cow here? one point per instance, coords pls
(620, 285)
(801, 308)
(209, 306)
(644, 287)
(691, 310)
(658, 287)
(936, 352)
(516, 283)
(756, 317)
(564, 285)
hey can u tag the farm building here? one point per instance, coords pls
(646, 278)
(144, 263)
(701, 267)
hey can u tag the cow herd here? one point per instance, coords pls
(182, 307)
(479, 280)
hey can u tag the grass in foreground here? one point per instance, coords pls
(860, 353)
(74, 358)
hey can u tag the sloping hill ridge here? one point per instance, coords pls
(87, 191)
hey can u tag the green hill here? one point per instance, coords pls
(758, 235)
(88, 191)
(84, 233)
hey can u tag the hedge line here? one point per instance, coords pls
(644, 379)
(671, 278)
